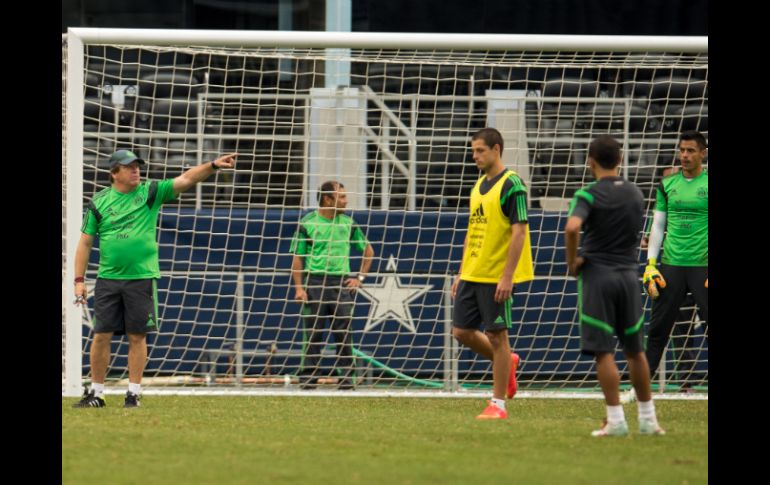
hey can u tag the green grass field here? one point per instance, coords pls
(374, 440)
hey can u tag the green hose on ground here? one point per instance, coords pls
(421, 382)
(394, 372)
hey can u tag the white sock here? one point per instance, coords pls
(615, 414)
(646, 410)
(499, 403)
(98, 389)
(134, 388)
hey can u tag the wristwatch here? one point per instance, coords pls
(361, 277)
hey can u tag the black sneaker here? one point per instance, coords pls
(89, 401)
(307, 382)
(132, 400)
(346, 385)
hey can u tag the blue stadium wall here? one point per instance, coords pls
(197, 312)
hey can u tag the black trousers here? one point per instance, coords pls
(683, 342)
(679, 280)
(328, 298)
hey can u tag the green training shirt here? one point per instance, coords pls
(686, 204)
(326, 243)
(127, 225)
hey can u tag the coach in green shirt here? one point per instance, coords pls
(125, 217)
(321, 248)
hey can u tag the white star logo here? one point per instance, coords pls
(390, 300)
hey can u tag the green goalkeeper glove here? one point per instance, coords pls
(652, 279)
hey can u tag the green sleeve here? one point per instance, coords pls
(358, 239)
(581, 195)
(89, 224)
(299, 243)
(661, 202)
(166, 190)
(572, 205)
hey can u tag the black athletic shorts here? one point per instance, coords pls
(125, 306)
(609, 306)
(475, 304)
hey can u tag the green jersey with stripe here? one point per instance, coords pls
(513, 196)
(326, 243)
(126, 225)
(686, 204)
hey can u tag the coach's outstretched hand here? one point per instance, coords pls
(225, 161)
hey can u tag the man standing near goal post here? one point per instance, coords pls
(125, 217)
(496, 254)
(681, 212)
(611, 213)
(321, 248)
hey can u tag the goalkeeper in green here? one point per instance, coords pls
(681, 212)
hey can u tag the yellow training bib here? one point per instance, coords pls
(489, 235)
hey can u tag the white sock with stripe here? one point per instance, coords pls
(499, 403)
(98, 389)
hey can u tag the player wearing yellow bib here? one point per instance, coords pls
(496, 254)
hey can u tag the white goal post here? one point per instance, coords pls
(397, 135)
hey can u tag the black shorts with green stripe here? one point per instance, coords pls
(125, 306)
(475, 305)
(609, 306)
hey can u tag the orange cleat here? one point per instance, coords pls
(493, 412)
(512, 386)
